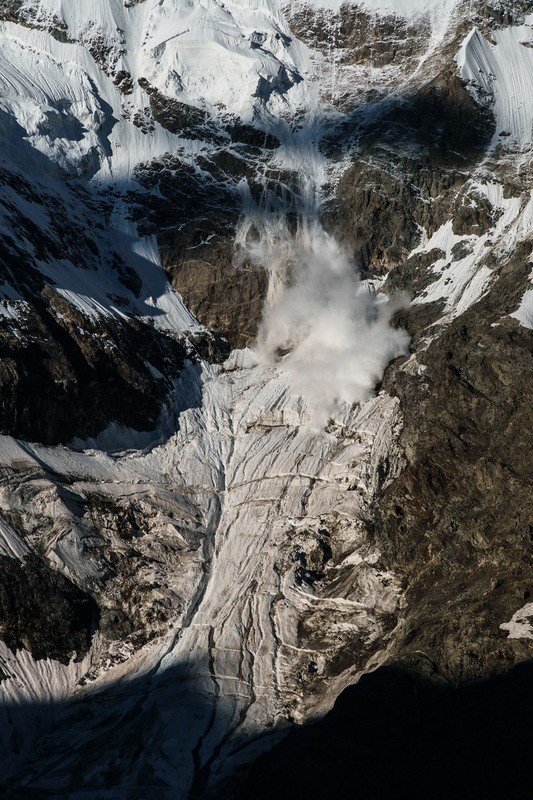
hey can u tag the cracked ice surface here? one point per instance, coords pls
(252, 638)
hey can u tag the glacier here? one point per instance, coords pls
(255, 580)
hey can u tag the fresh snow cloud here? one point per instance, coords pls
(326, 329)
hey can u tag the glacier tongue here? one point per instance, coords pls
(285, 548)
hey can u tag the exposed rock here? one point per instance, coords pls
(357, 36)
(413, 275)
(178, 117)
(376, 214)
(198, 253)
(10, 10)
(43, 612)
(62, 375)
(473, 215)
(123, 81)
(497, 13)
(138, 602)
(457, 522)
(247, 134)
(225, 297)
(19, 12)
(408, 172)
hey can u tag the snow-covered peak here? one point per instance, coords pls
(210, 53)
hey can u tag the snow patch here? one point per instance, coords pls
(521, 624)
(524, 313)
(501, 74)
(463, 281)
(10, 542)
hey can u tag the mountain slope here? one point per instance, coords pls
(248, 531)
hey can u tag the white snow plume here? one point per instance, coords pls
(327, 330)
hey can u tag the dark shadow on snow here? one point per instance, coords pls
(398, 733)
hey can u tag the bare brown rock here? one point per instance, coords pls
(43, 612)
(409, 169)
(458, 522)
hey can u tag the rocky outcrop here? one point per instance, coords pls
(177, 117)
(457, 522)
(17, 11)
(65, 372)
(356, 36)
(408, 173)
(43, 612)
(63, 376)
(198, 252)
(226, 297)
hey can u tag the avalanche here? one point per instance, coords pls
(237, 532)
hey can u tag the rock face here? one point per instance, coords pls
(221, 518)
(61, 380)
(41, 611)
(198, 254)
(411, 166)
(65, 370)
(355, 36)
(459, 518)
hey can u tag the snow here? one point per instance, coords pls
(68, 119)
(199, 51)
(92, 292)
(11, 309)
(502, 74)
(463, 281)
(248, 441)
(524, 313)
(256, 458)
(263, 481)
(521, 623)
(10, 542)
(460, 283)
